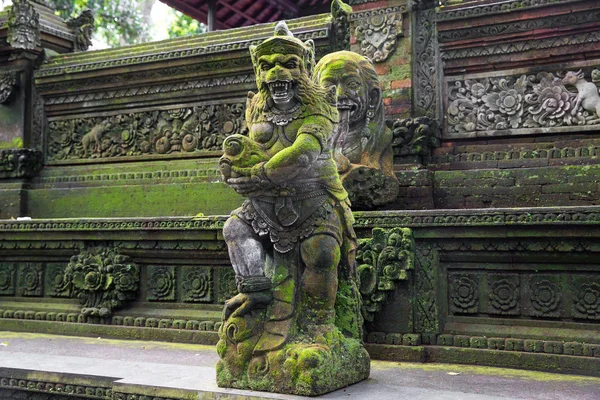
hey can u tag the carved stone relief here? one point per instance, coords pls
(197, 284)
(586, 302)
(425, 64)
(102, 279)
(83, 28)
(31, 281)
(7, 279)
(415, 137)
(184, 130)
(545, 296)
(8, 82)
(23, 26)
(544, 100)
(161, 283)
(464, 293)
(383, 261)
(19, 163)
(341, 25)
(377, 31)
(503, 292)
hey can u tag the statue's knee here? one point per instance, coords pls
(321, 251)
(234, 229)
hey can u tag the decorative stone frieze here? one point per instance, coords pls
(425, 78)
(483, 105)
(377, 31)
(183, 130)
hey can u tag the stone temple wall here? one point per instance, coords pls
(495, 142)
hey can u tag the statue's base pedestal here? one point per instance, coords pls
(300, 368)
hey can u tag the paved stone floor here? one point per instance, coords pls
(191, 368)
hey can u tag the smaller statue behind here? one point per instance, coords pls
(361, 143)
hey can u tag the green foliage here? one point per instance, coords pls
(184, 25)
(117, 22)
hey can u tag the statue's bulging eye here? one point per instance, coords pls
(353, 84)
(266, 66)
(291, 64)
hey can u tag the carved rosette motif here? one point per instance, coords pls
(586, 304)
(503, 294)
(464, 293)
(545, 297)
(377, 31)
(197, 284)
(382, 262)
(23, 26)
(7, 279)
(415, 136)
(161, 283)
(55, 280)
(102, 279)
(544, 100)
(19, 163)
(8, 82)
(184, 130)
(226, 285)
(31, 280)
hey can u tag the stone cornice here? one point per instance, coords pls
(367, 219)
(478, 10)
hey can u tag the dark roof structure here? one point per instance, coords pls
(237, 13)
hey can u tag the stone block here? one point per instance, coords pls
(206, 326)
(140, 321)
(533, 346)
(591, 350)
(553, 347)
(29, 314)
(117, 320)
(411, 339)
(445, 340)
(128, 321)
(573, 348)
(478, 342)
(376, 337)
(151, 323)
(393, 338)
(19, 314)
(192, 325)
(496, 343)
(179, 324)
(462, 341)
(428, 338)
(164, 323)
(514, 344)
(51, 316)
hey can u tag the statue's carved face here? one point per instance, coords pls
(280, 74)
(352, 90)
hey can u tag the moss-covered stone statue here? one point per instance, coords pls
(295, 326)
(361, 143)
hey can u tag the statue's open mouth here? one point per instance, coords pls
(281, 91)
(347, 105)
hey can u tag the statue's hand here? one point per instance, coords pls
(242, 303)
(244, 185)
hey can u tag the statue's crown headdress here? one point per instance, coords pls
(284, 42)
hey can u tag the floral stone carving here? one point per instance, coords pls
(184, 130)
(23, 26)
(545, 297)
(31, 281)
(161, 283)
(361, 142)
(464, 293)
(503, 294)
(197, 284)
(382, 262)
(586, 303)
(295, 327)
(377, 32)
(8, 81)
(527, 101)
(7, 279)
(102, 279)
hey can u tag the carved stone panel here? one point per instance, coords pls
(545, 296)
(226, 285)
(56, 285)
(586, 298)
(183, 130)
(161, 283)
(19, 163)
(197, 284)
(504, 294)
(377, 31)
(8, 81)
(522, 103)
(464, 293)
(425, 81)
(7, 279)
(31, 281)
